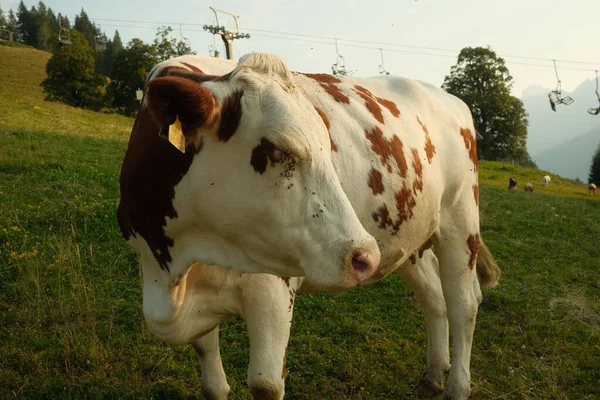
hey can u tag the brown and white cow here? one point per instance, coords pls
(339, 180)
(592, 189)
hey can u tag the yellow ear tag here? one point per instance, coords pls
(176, 135)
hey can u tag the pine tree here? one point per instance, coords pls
(13, 25)
(44, 27)
(27, 24)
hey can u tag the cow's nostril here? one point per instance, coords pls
(360, 262)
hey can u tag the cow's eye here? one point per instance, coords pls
(278, 156)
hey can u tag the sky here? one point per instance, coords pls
(522, 31)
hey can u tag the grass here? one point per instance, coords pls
(71, 324)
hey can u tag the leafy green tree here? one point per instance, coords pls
(129, 72)
(594, 176)
(72, 78)
(169, 47)
(482, 81)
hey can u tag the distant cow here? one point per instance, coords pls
(512, 183)
(592, 189)
(528, 187)
(546, 180)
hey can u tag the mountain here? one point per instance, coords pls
(571, 159)
(548, 128)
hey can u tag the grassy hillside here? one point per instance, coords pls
(70, 296)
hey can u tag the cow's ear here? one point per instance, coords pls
(182, 106)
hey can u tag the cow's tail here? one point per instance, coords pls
(488, 271)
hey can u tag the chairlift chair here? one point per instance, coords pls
(595, 111)
(5, 33)
(184, 39)
(99, 43)
(64, 36)
(382, 70)
(556, 96)
(339, 67)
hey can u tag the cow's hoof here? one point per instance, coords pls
(428, 389)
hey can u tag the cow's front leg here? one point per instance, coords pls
(268, 310)
(457, 246)
(424, 280)
(214, 381)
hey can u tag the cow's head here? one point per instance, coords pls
(260, 193)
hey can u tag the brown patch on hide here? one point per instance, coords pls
(327, 123)
(476, 194)
(387, 149)
(193, 68)
(418, 168)
(373, 102)
(370, 102)
(151, 169)
(429, 147)
(390, 105)
(231, 115)
(328, 83)
(405, 204)
(375, 181)
(470, 144)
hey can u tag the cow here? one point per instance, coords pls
(333, 181)
(546, 180)
(592, 189)
(528, 187)
(512, 183)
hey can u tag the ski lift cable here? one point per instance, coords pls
(327, 40)
(355, 41)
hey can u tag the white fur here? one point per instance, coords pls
(546, 180)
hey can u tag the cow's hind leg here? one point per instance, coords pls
(424, 280)
(457, 242)
(268, 311)
(214, 381)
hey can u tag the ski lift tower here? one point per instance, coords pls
(227, 35)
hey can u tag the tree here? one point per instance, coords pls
(44, 26)
(2, 19)
(113, 47)
(72, 78)
(12, 24)
(86, 27)
(169, 47)
(482, 81)
(129, 72)
(27, 24)
(594, 176)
